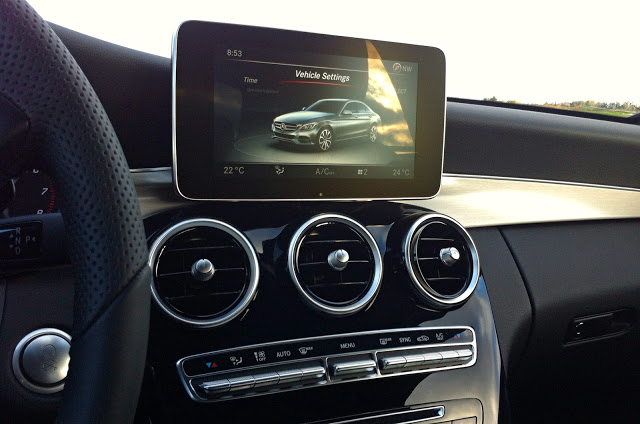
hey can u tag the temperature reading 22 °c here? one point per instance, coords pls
(231, 170)
(401, 172)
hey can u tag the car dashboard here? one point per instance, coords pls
(484, 304)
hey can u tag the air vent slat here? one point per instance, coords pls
(336, 286)
(200, 248)
(325, 263)
(442, 260)
(333, 241)
(211, 297)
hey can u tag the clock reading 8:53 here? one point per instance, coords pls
(234, 53)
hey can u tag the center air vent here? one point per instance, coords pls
(442, 261)
(335, 264)
(205, 272)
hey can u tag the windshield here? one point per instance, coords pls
(327, 106)
(572, 54)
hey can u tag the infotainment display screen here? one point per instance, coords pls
(272, 114)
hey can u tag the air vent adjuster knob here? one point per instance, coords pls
(338, 259)
(202, 270)
(449, 256)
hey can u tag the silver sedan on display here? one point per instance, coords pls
(327, 121)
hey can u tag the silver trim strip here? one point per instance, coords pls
(292, 264)
(186, 380)
(536, 180)
(156, 169)
(254, 269)
(407, 250)
(439, 414)
(17, 354)
(174, 55)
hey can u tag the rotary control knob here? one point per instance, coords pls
(202, 270)
(449, 256)
(338, 259)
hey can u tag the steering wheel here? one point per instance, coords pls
(51, 116)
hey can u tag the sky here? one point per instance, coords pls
(532, 52)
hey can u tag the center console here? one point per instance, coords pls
(323, 312)
(272, 308)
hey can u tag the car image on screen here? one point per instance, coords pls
(327, 121)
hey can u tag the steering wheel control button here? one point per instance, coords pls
(202, 270)
(338, 259)
(449, 256)
(275, 367)
(41, 360)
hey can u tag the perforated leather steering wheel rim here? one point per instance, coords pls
(68, 133)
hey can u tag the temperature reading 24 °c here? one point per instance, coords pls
(232, 170)
(401, 172)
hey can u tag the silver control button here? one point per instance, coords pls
(392, 362)
(215, 386)
(464, 354)
(241, 383)
(313, 373)
(449, 356)
(289, 376)
(45, 360)
(266, 379)
(414, 360)
(353, 368)
(432, 358)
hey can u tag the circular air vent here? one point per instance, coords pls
(205, 272)
(442, 260)
(335, 264)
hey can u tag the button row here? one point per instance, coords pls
(410, 359)
(266, 380)
(306, 349)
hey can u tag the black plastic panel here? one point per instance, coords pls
(486, 140)
(509, 299)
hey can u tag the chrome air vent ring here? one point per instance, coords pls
(351, 252)
(441, 260)
(244, 273)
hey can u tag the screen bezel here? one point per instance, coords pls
(193, 156)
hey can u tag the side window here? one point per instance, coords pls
(362, 108)
(352, 107)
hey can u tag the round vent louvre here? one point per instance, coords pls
(335, 264)
(205, 272)
(442, 260)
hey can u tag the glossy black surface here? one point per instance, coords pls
(278, 313)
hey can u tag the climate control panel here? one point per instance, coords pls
(311, 362)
